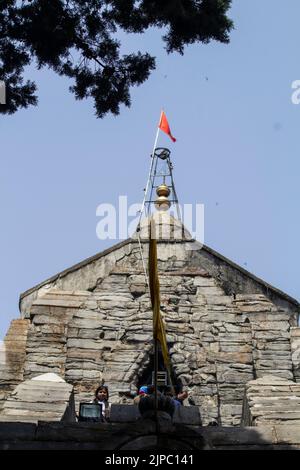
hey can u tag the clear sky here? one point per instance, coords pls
(237, 152)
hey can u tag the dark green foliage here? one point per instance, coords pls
(77, 38)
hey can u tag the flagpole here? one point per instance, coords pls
(155, 340)
(150, 171)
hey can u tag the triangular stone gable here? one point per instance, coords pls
(188, 253)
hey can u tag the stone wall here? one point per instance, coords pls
(47, 397)
(12, 358)
(94, 324)
(295, 347)
(271, 401)
(231, 277)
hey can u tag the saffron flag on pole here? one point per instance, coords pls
(164, 126)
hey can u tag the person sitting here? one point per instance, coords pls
(142, 392)
(147, 405)
(170, 392)
(101, 398)
(180, 395)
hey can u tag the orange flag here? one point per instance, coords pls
(164, 126)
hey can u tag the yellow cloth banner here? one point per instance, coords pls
(158, 325)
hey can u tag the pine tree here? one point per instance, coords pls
(79, 39)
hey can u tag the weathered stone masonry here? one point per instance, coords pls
(224, 327)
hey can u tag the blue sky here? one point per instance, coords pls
(237, 152)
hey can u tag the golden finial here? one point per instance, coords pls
(162, 203)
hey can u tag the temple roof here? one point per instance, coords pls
(228, 273)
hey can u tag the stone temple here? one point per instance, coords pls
(233, 340)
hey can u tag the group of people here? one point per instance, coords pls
(178, 396)
(167, 400)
